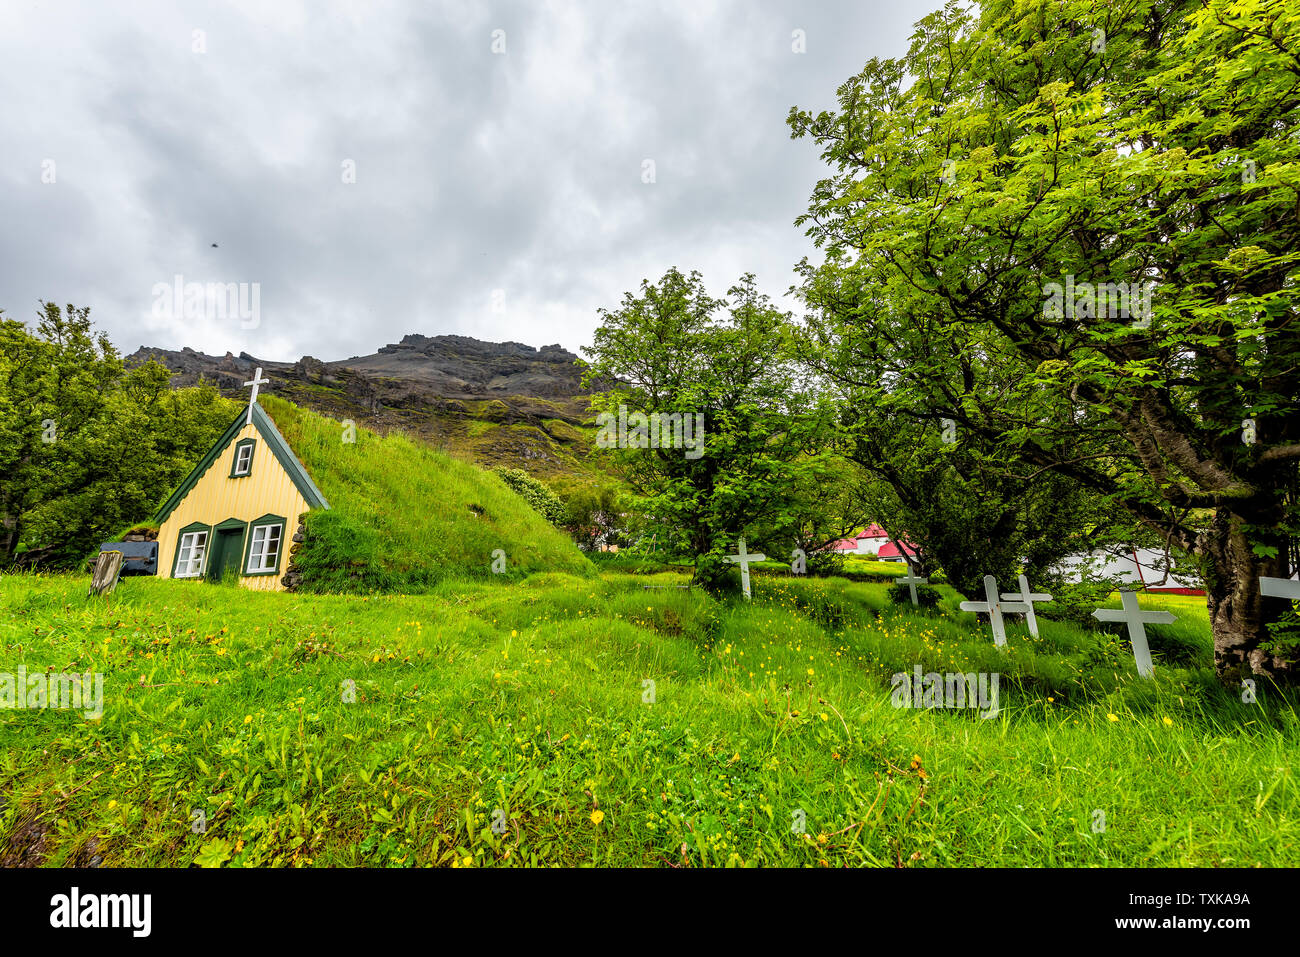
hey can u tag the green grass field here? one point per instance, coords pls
(526, 704)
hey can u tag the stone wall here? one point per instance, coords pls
(292, 576)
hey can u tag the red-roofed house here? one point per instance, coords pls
(868, 540)
(889, 552)
(872, 540)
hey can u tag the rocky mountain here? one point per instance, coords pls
(499, 403)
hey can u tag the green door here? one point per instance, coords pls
(227, 550)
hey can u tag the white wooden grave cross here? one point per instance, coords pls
(911, 581)
(743, 560)
(1027, 597)
(994, 608)
(1280, 588)
(257, 381)
(1137, 619)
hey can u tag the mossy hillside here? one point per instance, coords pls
(404, 516)
(537, 434)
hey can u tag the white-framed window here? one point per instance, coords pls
(189, 557)
(264, 552)
(243, 459)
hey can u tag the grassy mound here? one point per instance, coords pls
(404, 516)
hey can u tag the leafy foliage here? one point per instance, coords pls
(926, 596)
(1019, 148)
(596, 515)
(535, 492)
(87, 446)
(677, 350)
(965, 518)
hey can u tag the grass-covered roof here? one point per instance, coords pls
(404, 516)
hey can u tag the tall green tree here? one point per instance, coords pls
(829, 502)
(594, 515)
(86, 445)
(728, 365)
(966, 515)
(1029, 149)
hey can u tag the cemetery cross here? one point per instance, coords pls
(911, 581)
(1137, 633)
(1028, 598)
(743, 559)
(1280, 588)
(994, 608)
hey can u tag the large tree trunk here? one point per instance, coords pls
(10, 530)
(1239, 614)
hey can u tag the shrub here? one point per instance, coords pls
(825, 562)
(1284, 637)
(1075, 602)
(535, 493)
(926, 597)
(591, 516)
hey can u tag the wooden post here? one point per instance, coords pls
(108, 568)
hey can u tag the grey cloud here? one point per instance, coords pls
(475, 172)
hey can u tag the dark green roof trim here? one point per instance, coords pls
(274, 441)
(286, 458)
(205, 463)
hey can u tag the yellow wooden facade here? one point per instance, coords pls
(218, 497)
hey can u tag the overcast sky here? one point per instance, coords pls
(496, 194)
